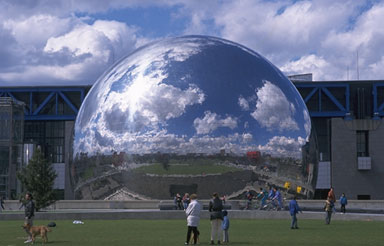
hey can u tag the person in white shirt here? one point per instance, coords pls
(193, 218)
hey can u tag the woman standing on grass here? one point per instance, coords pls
(193, 218)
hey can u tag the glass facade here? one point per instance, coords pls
(49, 135)
(11, 139)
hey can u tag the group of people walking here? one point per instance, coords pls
(273, 197)
(218, 217)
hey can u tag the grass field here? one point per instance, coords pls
(172, 232)
(186, 169)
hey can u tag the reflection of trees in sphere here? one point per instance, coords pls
(190, 114)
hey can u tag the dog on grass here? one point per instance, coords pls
(37, 231)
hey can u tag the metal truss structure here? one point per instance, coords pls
(326, 99)
(47, 103)
(323, 99)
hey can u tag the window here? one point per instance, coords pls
(362, 143)
(363, 197)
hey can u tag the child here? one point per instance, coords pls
(293, 210)
(343, 202)
(193, 218)
(225, 227)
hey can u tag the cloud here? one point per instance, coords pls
(212, 121)
(53, 50)
(49, 42)
(319, 37)
(307, 123)
(152, 104)
(243, 103)
(273, 110)
(283, 146)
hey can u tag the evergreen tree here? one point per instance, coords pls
(38, 178)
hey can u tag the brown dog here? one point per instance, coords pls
(36, 231)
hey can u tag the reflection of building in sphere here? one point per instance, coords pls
(191, 114)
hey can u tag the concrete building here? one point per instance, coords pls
(347, 117)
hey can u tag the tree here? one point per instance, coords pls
(38, 178)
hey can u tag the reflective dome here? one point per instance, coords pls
(191, 114)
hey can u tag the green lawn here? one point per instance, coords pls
(172, 232)
(186, 169)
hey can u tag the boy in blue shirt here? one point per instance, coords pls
(225, 227)
(343, 202)
(293, 210)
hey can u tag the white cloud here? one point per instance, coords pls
(273, 110)
(307, 124)
(283, 146)
(33, 32)
(318, 36)
(52, 50)
(243, 103)
(212, 121)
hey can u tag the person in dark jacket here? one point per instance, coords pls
(29, 214)
(1, 203)
(293, 210)
(216, 208)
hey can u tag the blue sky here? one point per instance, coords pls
(68, 42)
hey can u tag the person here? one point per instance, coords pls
(328, 210)
(293, 210)
(277, 198)
(271, 194)
(225, 227)
(185, 200)
(29, 214)
(215, 208)
(249, 197)
(332, 197)
(224, 199)
(263, 194)
(343, 202)
(193, 218)
(1, 203)
(178, 201)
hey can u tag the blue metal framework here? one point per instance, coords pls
(54, 94)
(324, 90)
(378, 107)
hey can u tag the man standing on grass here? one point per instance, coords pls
(29, 214)
(293, 210)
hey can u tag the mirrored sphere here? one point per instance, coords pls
(191, 114)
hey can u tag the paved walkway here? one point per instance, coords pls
(113, 214)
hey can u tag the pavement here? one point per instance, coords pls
(154, 214)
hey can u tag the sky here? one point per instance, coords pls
(72, 42)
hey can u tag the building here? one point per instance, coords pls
(347, 117)
(49, 114)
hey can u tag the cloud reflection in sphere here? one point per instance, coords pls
(190, 114)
